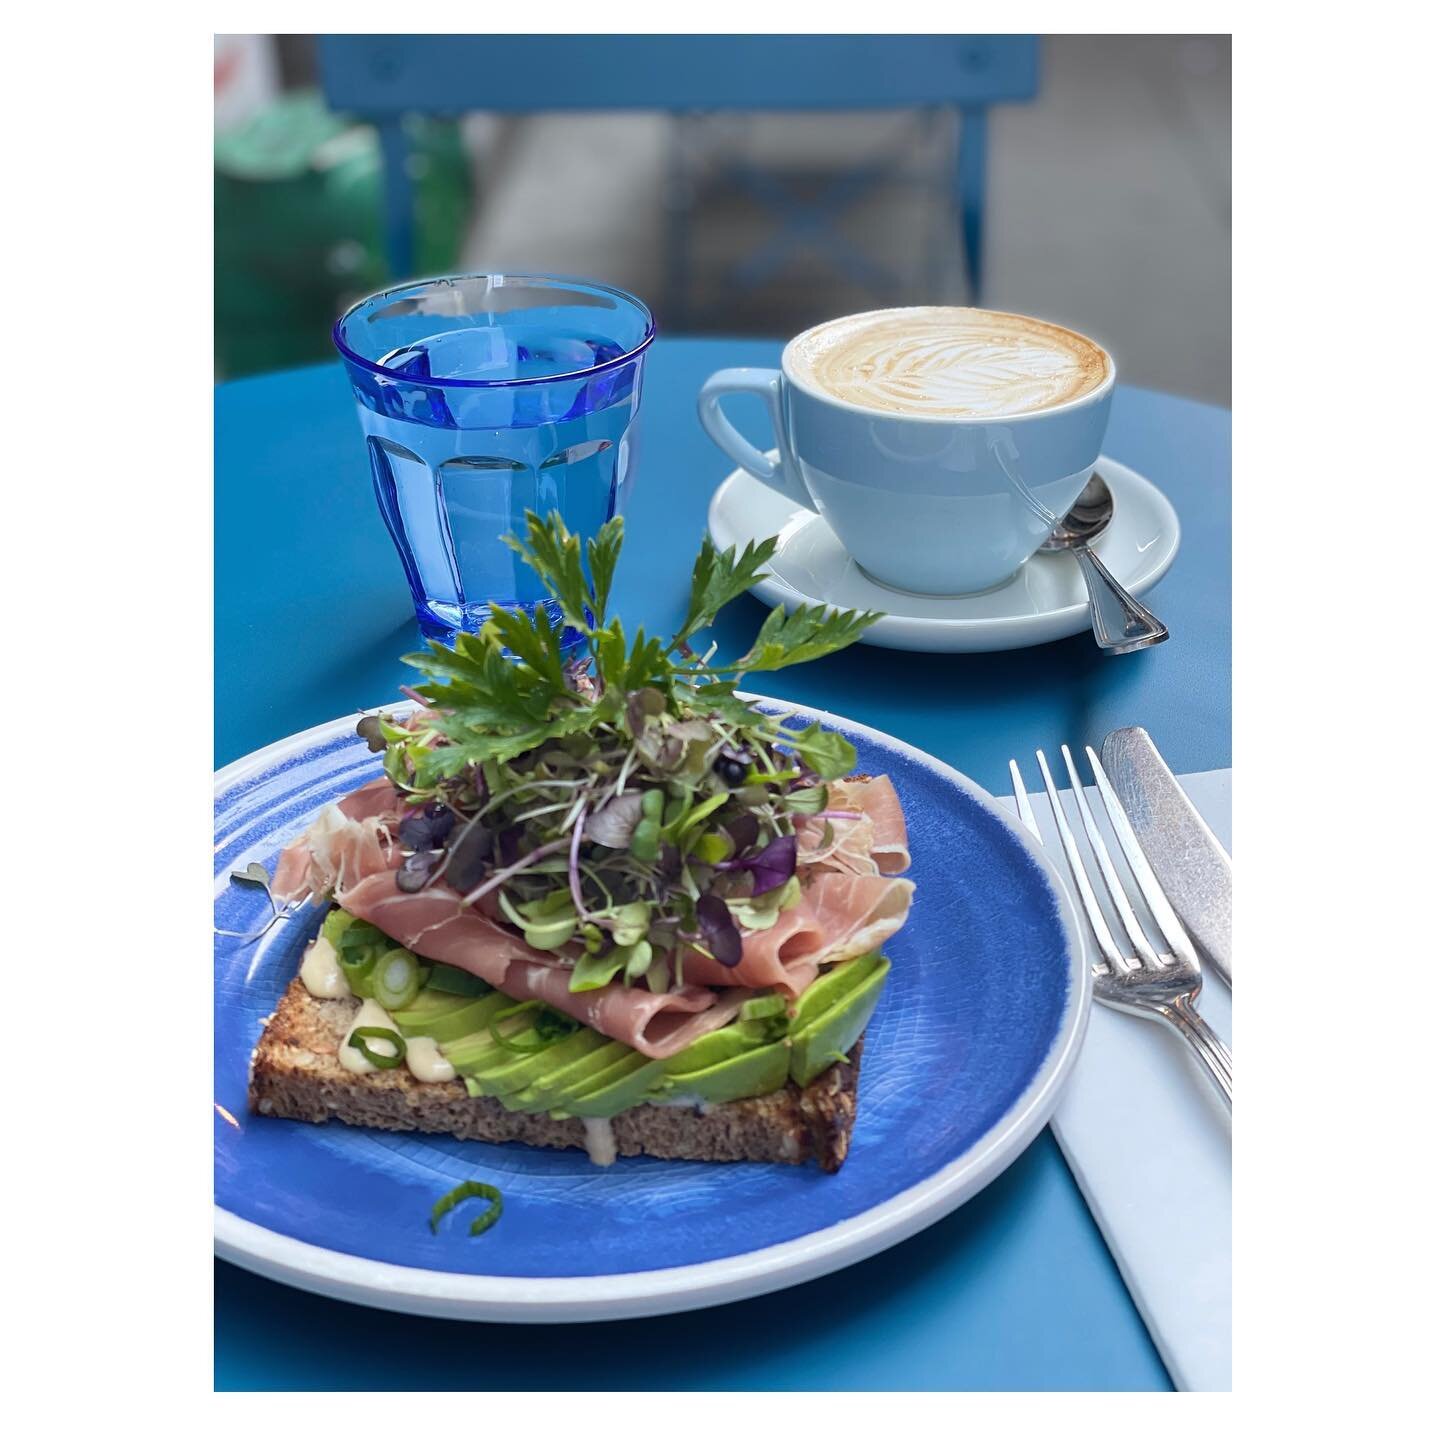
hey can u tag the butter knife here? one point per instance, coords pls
(1190, 863)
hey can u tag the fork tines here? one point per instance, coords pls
(1161, 984)
(1166, 921)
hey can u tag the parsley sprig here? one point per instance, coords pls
(495, 705)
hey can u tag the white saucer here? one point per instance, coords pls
(1044, 601)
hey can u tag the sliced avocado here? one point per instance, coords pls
(621, 1065)
(830, 1033)
(616, 1089)
(768, 1006)
(445, 1018)
(478, 1048)
(504, 1077)
(753, 1072)
(831, 988)
(711, 1050)
(539, 1093)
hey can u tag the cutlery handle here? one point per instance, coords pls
(1120, 622)
(1210, 1049)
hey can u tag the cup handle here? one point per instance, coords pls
(776, 474)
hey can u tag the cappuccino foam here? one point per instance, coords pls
(938, 360)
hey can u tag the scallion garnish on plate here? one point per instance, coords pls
(468, 1190)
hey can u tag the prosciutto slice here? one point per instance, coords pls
(838, 917)
(874, 844)
(336, 853)
(432, 923)
(851, 902)
(379, 800)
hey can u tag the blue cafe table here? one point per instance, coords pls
(1015, 1290)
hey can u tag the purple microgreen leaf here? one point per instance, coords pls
(744, 830)
(370, 732)
(717, 925)
(774, 865)
(469, 857)
(427, 830)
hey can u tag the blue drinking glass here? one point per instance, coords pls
(482, 397)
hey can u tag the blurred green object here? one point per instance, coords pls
(298, 225)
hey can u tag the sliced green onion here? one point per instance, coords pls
(337, 922)
(359, 946)
(469, 1190)
(395, 980)
(359, 1036)
(356, 967)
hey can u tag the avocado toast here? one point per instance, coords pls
(596, 900)
(297, 1076)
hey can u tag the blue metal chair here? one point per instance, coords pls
(385, 77)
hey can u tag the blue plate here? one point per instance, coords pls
(980, 1020)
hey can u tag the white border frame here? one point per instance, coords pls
(565, 1299)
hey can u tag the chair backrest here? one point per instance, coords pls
(384, 75)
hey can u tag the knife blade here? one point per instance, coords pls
(1193, 869)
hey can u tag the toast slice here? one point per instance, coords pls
(295, 1075)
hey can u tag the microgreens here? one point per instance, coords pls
(620, 809)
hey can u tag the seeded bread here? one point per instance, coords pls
(295, 1075)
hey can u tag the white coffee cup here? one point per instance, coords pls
(941, 444)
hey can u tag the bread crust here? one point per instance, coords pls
(295, 1075)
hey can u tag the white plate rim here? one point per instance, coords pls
(567, 1299)
(975, 633)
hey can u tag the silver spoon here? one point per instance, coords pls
(1120, 622)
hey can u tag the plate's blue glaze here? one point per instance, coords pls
(971, 1013)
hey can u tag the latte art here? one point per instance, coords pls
(940, 360)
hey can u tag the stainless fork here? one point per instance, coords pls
(1160, 986)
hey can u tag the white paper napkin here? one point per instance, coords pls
(1148, 1140)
